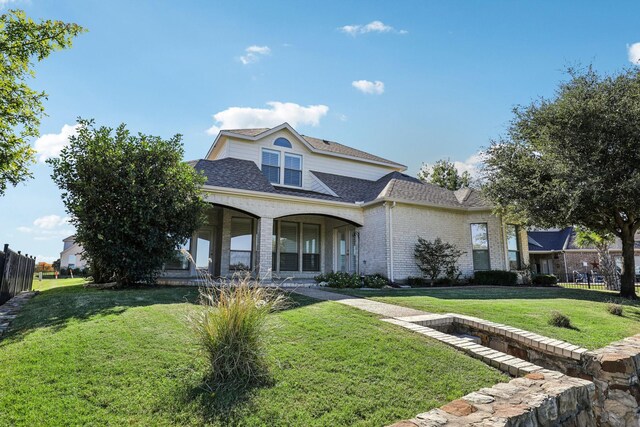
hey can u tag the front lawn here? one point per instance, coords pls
(526, 308)
(86, 357)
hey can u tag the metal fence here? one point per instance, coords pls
(16, 273)
(591, 280)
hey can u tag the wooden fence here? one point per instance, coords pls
(16, 273)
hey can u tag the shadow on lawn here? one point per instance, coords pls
(54, 308)
(226, 405)
(495, 293)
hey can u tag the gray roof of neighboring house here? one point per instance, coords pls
(548, 240)
(322, 145)
(245, 175)
(562, 239)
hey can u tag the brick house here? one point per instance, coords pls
(287, 205)
(554, 251)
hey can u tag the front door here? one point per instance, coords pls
(345, 249)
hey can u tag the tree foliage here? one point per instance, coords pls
(23, 41)
(444, 173)
(574, 159)
(131, 199)
(436, 258)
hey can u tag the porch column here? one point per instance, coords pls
(264, 248)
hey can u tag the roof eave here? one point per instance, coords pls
(427, 204)
(301, 139)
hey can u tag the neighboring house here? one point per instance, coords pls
(287, 205)
(554, 251)
(71, 255)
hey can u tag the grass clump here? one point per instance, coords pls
(615, 309)
(232, 330)
(560, 320)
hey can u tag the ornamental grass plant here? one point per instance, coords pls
(232, 329)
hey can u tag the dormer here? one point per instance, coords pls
(288, 159)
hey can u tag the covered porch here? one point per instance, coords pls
(294, 247)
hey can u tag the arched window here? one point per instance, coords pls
(282, 142)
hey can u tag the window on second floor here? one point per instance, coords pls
(271, 165)
(293, 169)
(291, 174)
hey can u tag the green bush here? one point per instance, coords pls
(544, 280)
(560, 320)
(232, 330)
(495, 277)
(375, 281)
(339, 280)
(417, 282)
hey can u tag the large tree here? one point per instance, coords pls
(574, 159)
(444, 173)
(131, 198)
(23, 41)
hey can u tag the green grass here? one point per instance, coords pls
(86, 357)
(526, 308)
(45, 284)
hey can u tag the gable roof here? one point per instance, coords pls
(549, 240)
(314, 144)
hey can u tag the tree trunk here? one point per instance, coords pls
(608, 267)
(628, 278)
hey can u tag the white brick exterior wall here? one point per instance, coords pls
(412, 221)
(373, 237)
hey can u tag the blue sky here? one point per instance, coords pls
(413, 81)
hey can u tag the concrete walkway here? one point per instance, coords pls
(379, 308)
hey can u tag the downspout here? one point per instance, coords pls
(391, 275)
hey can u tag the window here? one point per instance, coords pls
(271, 165)
(480, 246)
(288, 246)
(513, 247)
(241, 243)
(310, 247)
(282, 142)
(292, 170)
(72, 261)
(181, 260)
(203, 250)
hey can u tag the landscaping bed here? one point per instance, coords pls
(593, 326)
(76, 356)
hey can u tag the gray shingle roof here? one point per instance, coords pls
(396, 185)
(245, 175)
(233, 173)
(323, 145)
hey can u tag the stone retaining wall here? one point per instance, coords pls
(611, 375)
(542, 399)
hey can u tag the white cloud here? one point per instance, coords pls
(633, 52)
(253, 54)
(471, 165)
(365, 86)
(48, 227)
(279, 112)
(50, 221)
(4, 3)
(50, 145)
(371, 27)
